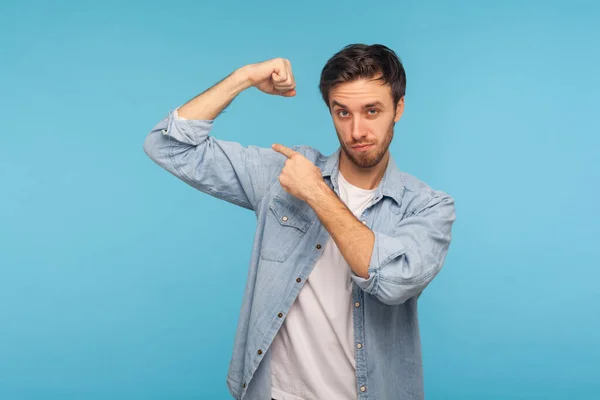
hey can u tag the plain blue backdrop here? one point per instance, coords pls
(118, 281)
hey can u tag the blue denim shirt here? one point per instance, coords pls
(412, 227)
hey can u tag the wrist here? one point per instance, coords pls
(320, 193)
(239, 81)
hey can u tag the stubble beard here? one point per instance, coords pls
(372, 157)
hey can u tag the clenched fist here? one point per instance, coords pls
(272, 77)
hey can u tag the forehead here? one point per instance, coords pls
(361, 91)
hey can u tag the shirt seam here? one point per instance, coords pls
(268, 189)
(203, 187)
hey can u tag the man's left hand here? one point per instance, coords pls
(299, 176)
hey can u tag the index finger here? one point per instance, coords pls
(284, 150)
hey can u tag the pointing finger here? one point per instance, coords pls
(284, 150)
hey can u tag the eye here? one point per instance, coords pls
(373, 111)
(343, 113)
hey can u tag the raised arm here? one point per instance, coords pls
(226, 170)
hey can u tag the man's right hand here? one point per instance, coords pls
(272, 77)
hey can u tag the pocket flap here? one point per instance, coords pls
(288, 214)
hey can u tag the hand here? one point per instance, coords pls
(299, 177)
(272, 77)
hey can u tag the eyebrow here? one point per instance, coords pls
(369, 105)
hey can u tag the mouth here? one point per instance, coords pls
(362, 147)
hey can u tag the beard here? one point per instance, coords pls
(371, 158)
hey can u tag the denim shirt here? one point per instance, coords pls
(412, 227)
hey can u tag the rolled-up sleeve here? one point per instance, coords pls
(403, 263)
(226, 170)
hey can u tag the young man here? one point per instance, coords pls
(345, 243)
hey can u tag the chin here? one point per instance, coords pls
(368, 163)
(364, 160)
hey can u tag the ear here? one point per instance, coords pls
(399, 109)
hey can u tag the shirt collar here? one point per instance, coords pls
(391, 185)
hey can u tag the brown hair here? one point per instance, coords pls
(356, 61)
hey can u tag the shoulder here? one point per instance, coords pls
(418, 194)
(313, 155)
(309, 152)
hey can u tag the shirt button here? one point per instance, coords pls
(284, 218)
(357, 304)
(359, 346)
(259, 352)
(280, 315)
(298, 280)
(244, 385)
(363, 388)
(318, 246)
(364, 222)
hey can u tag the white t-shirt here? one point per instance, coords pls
(312, 355)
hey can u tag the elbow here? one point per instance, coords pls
(147, 146)
(154, 146)
(157, 142)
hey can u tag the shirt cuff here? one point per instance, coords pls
(192, 132)
(385, 249)
(177, 116)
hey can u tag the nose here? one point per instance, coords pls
(358, 129)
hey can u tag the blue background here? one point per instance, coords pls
(119, 282)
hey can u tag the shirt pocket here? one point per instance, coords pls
(285, 226)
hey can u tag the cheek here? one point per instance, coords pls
(382, 126)
(341, 129)
(374, 129)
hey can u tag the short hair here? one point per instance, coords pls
(356, 61)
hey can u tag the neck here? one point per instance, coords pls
(364, 178)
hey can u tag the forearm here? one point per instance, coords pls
(209, 104)
(354, 240)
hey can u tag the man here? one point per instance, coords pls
(345, 243)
